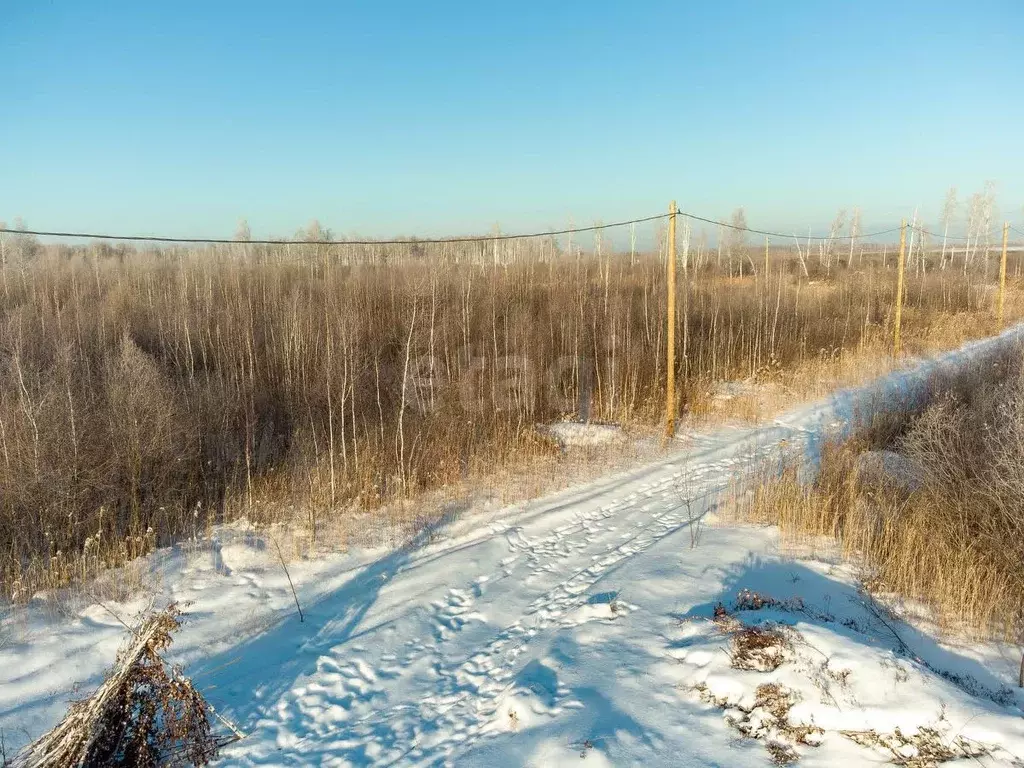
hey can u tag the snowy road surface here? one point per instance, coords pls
(580, 629)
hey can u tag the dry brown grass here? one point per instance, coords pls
(768, 721)
(145, 397)
(760, 649)
(926, 748)
(953, 538)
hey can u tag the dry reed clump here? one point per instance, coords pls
(147, 396)
(952, 534)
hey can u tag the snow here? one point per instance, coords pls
(575, 629)
(576, 434)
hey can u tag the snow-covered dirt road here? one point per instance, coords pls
(599, 626)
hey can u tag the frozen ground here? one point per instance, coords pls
(616, 623)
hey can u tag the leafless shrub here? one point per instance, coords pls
(695, 505)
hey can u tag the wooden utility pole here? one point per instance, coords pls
(766, 257)
(670, 348)
(1002, 274)
(900, 268)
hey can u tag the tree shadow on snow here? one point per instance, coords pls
(248, 677)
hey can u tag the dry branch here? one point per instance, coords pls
(142, 714)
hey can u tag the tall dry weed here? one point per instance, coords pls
(145, 396)
(944, 523)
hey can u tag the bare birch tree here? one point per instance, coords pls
(948, 214)
(736, 238)
(829, 249)
(854, 233)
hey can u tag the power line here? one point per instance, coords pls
(438, 240)
(962, 238)
(695, 217)
(410, 241)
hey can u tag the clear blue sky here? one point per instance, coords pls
(447, 117)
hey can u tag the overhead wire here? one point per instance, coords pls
(963, 238)
(436, 240)
(402, 241)
(769, 233)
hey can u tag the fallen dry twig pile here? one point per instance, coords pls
(144, 714)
